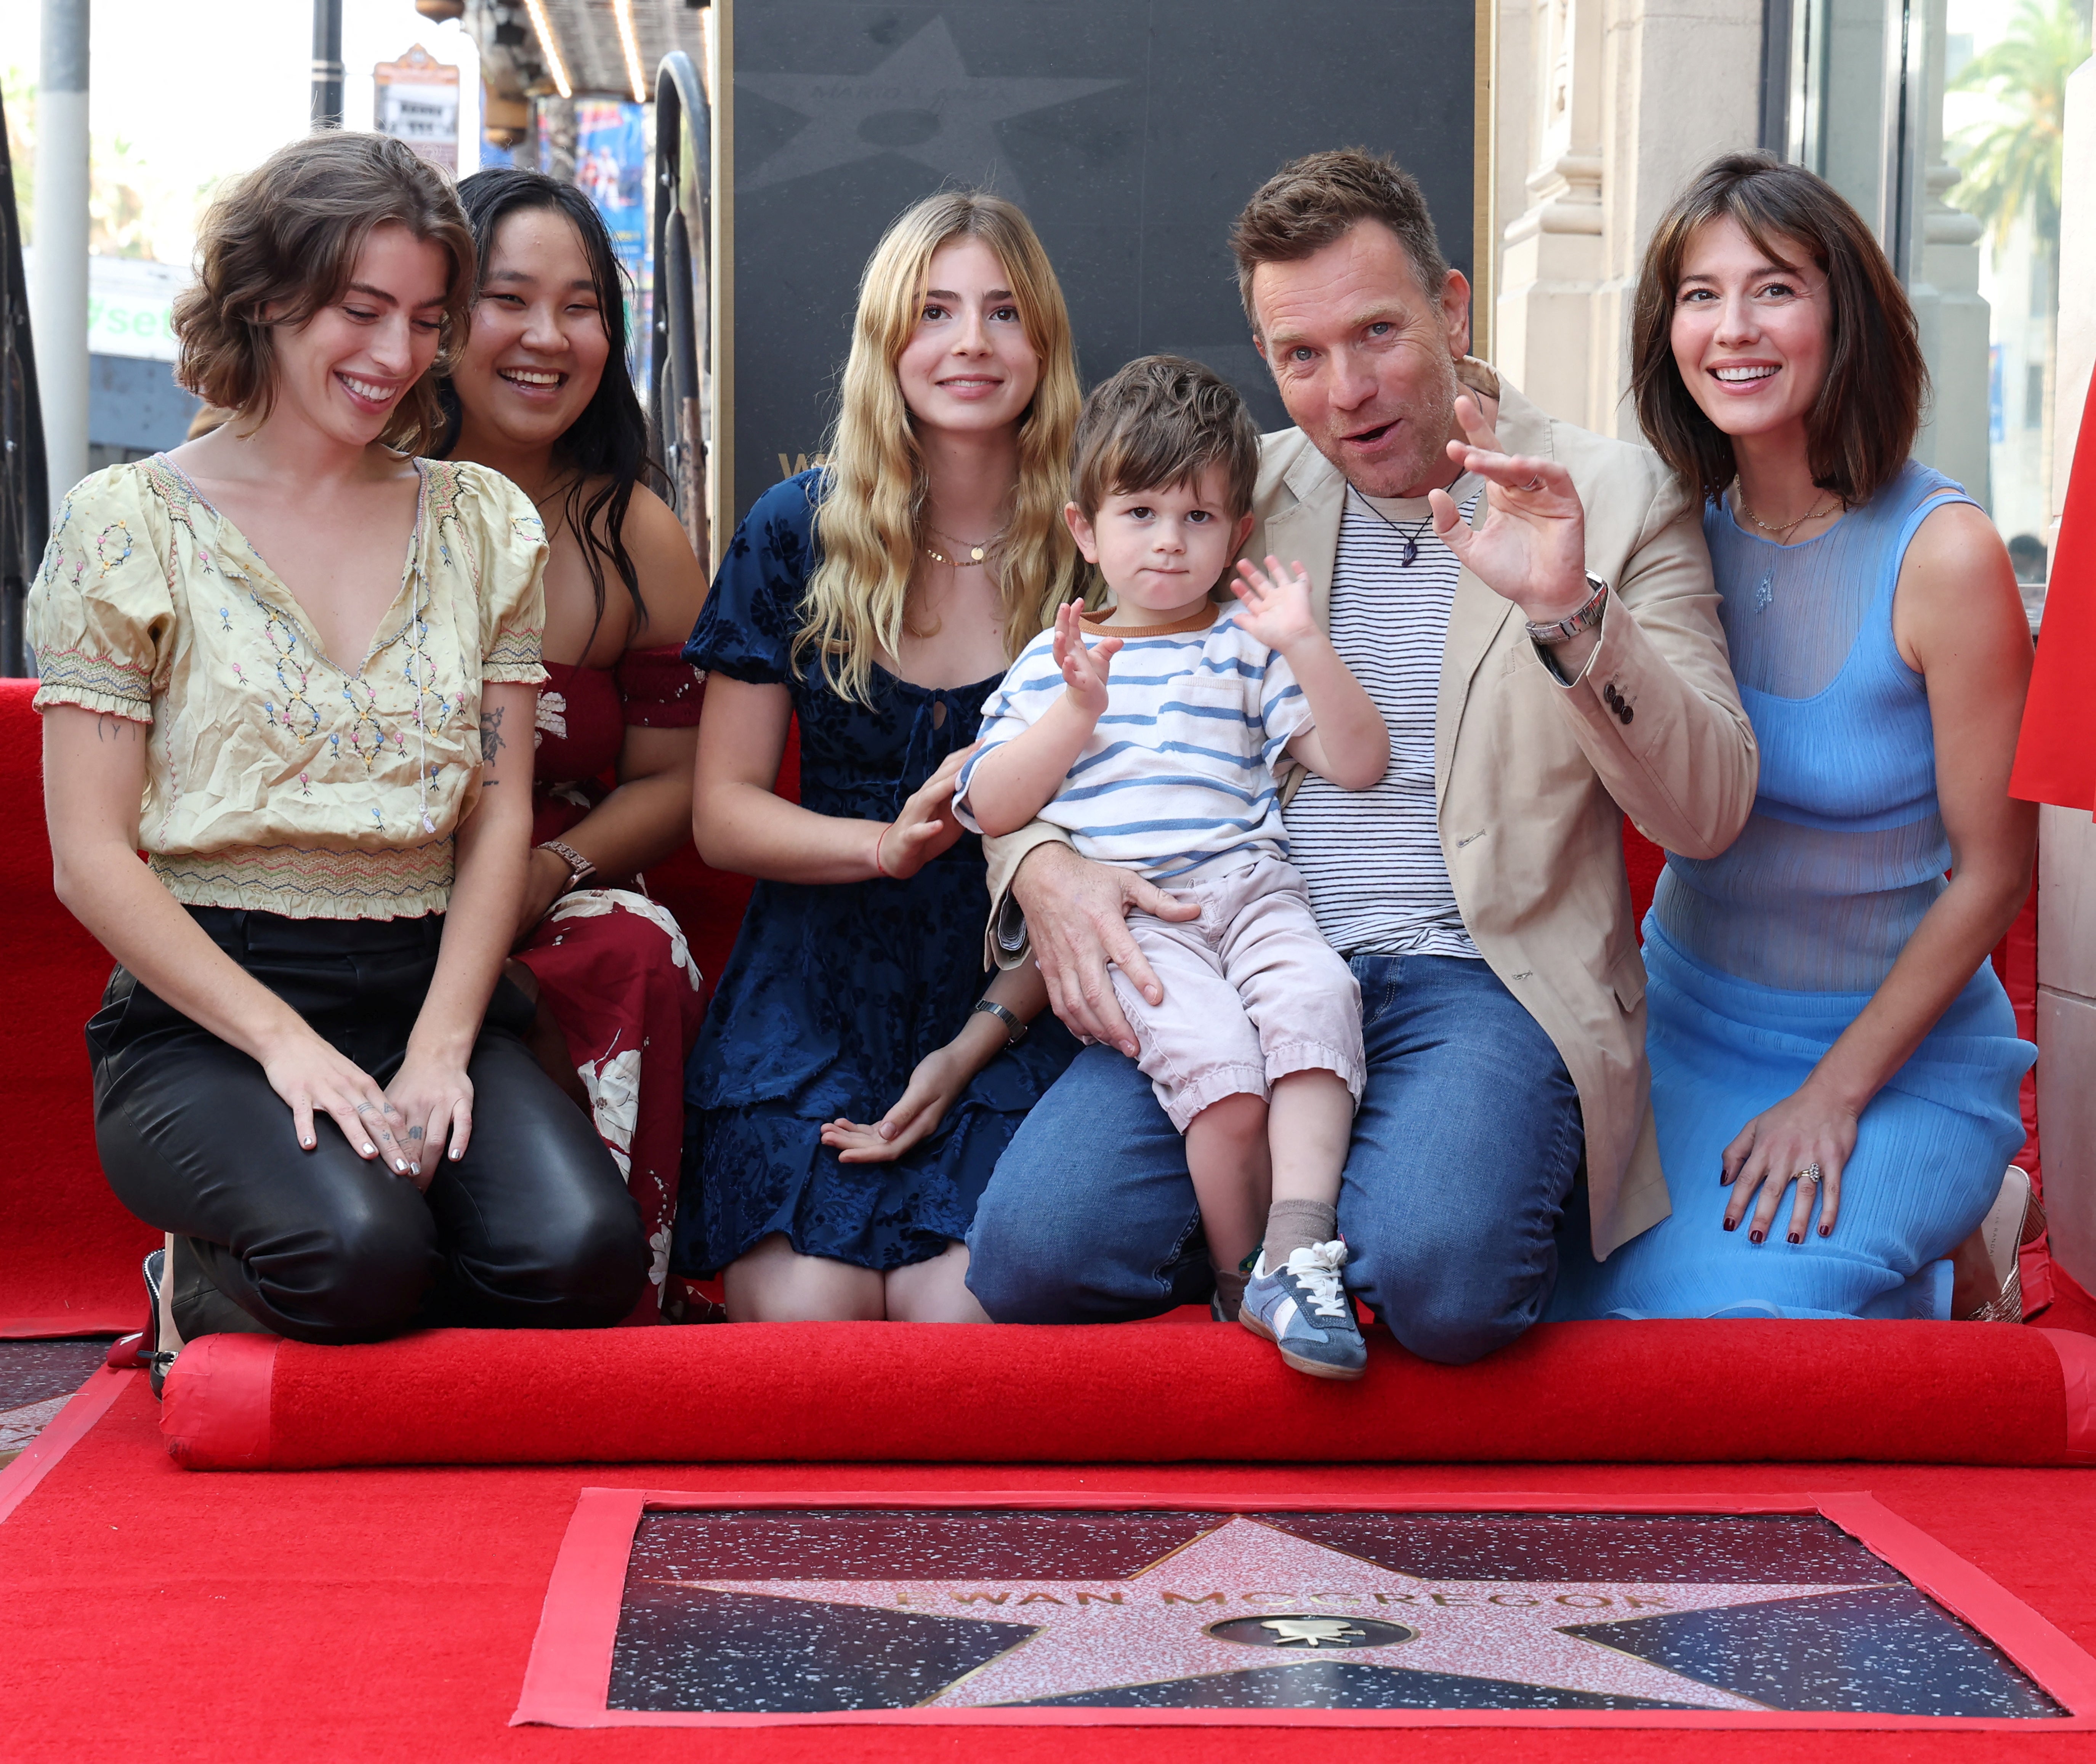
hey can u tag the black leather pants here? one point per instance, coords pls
(532, 1229)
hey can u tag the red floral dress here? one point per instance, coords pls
(612, 965)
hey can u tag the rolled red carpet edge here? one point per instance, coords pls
(1655, 1393)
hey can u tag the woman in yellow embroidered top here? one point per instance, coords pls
(305, 1071)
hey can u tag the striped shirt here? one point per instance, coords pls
(1373, 858)
(1179, 774)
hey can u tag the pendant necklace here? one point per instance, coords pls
(1765, 588)
(976, 553)
(1411, 551)
(1781, 535)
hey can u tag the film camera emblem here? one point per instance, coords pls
(1313, 1634)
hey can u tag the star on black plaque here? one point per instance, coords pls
(783, 1612)
(921, 102)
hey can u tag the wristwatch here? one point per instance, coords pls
(579, 868)
(1557, 631)
(1014, 1031)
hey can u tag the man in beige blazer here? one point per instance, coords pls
(1479, 892)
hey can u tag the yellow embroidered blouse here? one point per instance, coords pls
(275, 780)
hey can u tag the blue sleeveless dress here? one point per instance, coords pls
(834, 993)
(1759, 958)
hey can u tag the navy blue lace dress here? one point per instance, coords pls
(835, 992)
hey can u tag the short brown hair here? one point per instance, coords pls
(1315, 200)
(1861, 427)
(287, 235)
(1163, 420)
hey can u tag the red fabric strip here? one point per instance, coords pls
(2056, 756)
(1679, 1391)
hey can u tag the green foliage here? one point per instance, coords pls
(2011, 161)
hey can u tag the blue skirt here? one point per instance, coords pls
(1931, 1148)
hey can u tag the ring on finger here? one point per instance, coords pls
(1534, 483)
(1809, 1174)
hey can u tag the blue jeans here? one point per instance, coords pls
(1464, 1150)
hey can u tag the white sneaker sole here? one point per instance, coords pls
(1316, 1369)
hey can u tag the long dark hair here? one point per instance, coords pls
(1861, 427)
(609, 439)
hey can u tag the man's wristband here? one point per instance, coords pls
(1556, 631)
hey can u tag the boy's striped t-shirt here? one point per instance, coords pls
(1181, 772)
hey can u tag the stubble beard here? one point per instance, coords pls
(1425, 464)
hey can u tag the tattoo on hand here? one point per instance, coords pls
(414, 1133)
(491, 735)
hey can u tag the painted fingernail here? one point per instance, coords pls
(400, 1164)
(1724, 1182)
(456, 1155)
(1796, 1237)
(1826, 1230)
(370, 1149)
(307, 1143)
(1731, 1225)
(415, 1169)
(1756, 1236)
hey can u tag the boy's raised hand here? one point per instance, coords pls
(1084, 667)
(1276, 603)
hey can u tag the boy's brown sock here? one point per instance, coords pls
(1292, 1225)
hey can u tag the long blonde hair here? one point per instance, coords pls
(867, 526)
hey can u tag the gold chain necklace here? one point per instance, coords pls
(976, 553)
(1782, 534)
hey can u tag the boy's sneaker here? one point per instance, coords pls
(1302, 1308)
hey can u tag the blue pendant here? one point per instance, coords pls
(1765, 592)
(1411, 551)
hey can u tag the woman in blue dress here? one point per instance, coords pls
(860, 1072)
(1834, 1066)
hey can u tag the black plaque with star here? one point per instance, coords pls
(1131, 132)
(857, 1611)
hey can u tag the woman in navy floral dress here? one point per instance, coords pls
(861, 1070)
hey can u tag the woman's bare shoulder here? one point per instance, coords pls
(673, 582)
(1957, 590)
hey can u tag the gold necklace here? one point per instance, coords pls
(976, 553)
(1782, 534)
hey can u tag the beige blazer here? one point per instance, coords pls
(1534, 777)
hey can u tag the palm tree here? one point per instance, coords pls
(2012, 162)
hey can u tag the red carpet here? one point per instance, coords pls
(387, 1615)
(1669, 1392)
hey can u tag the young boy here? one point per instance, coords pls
(1173, 766)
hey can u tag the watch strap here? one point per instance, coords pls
(579, 868)
(1014, 1031)
(1555, 631)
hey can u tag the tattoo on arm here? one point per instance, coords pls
(491, 735)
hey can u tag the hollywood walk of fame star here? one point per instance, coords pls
(921, 102)
(1164, 1624)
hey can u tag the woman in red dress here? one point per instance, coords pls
(542, 396)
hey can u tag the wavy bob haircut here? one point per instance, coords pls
(869, 524)
(1861, 428)
(604, 450)
(284, 242)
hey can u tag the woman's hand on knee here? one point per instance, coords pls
(1805, 1139)
(435, 1097)
(934, 1088)
(314, 1078)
